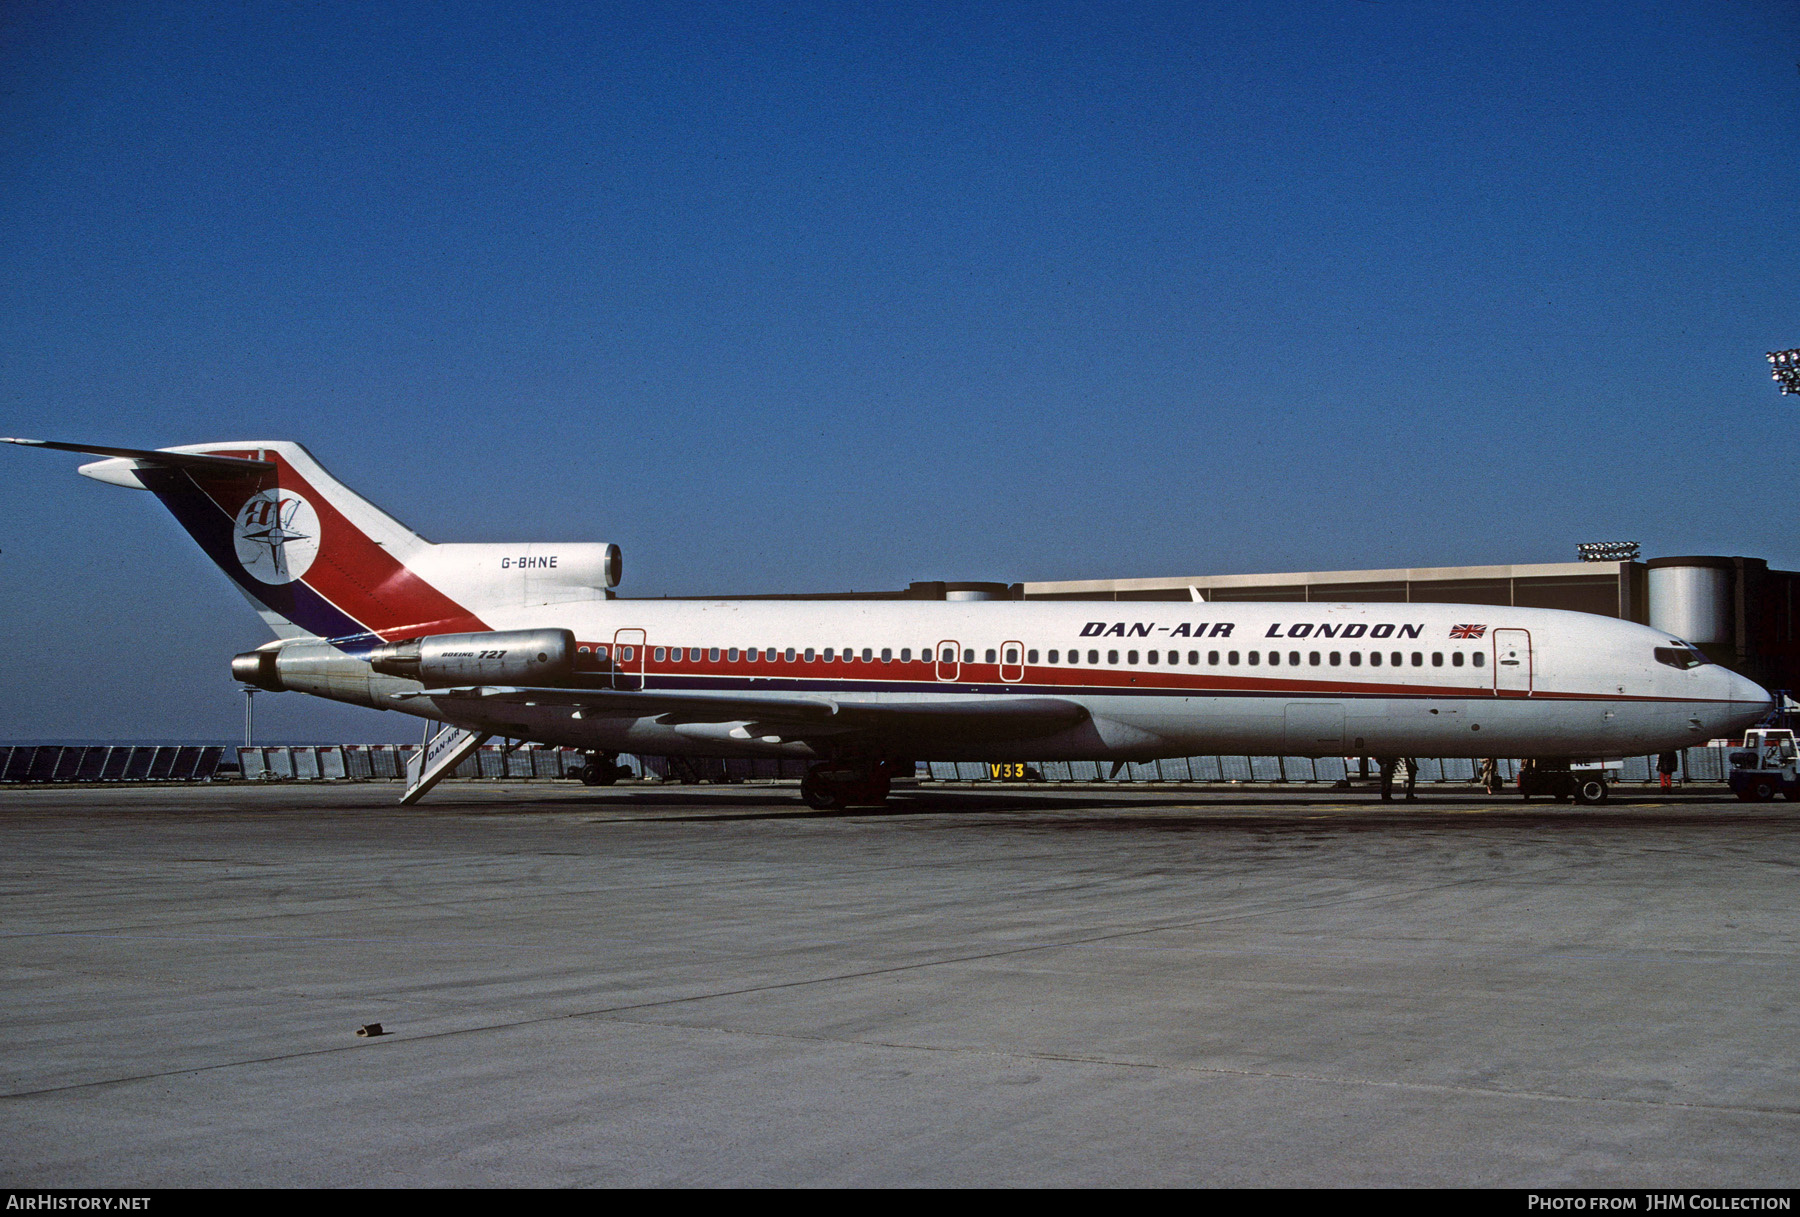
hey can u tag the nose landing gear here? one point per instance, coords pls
(838, 784)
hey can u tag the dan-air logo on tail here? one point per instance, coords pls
(277, 535)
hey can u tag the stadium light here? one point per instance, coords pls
(1608, 551)
(1786, 371)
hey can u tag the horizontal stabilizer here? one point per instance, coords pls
(157, 456)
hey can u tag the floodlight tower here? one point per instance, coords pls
(1786, 373)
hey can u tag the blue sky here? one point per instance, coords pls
(801, 297)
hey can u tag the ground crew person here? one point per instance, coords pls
(1388, 765)
(1490, 774)
(1666, 765)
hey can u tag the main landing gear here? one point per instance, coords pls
(838, 784)
(603, 769)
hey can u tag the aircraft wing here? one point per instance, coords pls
(996, 718)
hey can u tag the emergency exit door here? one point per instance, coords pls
(949, 659)
(629, 654)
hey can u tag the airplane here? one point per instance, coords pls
(528, 642)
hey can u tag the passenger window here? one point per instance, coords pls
(627, 654)
(905, 654)
(1275, 659)
(830, 655)
(659, 654)
(732, 655)
(1336, 658)
(868, 655)
(887, 654)
(1232, 658)
(1212, 657)
(1356, 659)
(788, 655)
(968, 654)
(1131, 658)
(949, 656)
(1052, 656)
(1374, 659)
(990, 656)
(1012, 654)
(1397, 659)
(1112, 659)
(1093, 656)
(1255, 658)
(1193, 659)
(1437, 659)
(1418, 660)
(599, 652)
(1480, 659)
(1151, 658)
(1456, 659)
(753, 654)
(1031, 657)
(808, 654)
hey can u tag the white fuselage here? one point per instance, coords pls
(1156, 678)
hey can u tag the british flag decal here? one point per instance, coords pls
(1467, 631)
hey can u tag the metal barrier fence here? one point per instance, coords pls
(387, 762)
(109, 762)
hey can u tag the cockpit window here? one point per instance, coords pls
(1680, 655)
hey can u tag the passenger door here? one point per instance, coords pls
(1512, 662)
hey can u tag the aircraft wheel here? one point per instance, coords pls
(820, 794)
(1590, 791)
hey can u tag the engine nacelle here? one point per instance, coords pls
(497, 657)
(318, 668)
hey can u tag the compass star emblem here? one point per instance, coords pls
(276, 535)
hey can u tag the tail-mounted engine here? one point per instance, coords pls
(498, 657)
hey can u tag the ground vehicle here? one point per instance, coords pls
(1765, 766)
(1559, 779)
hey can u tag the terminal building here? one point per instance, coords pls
(1737, 610)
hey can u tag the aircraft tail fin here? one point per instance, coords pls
(313, 556)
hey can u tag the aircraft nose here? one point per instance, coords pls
(1749, 701)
